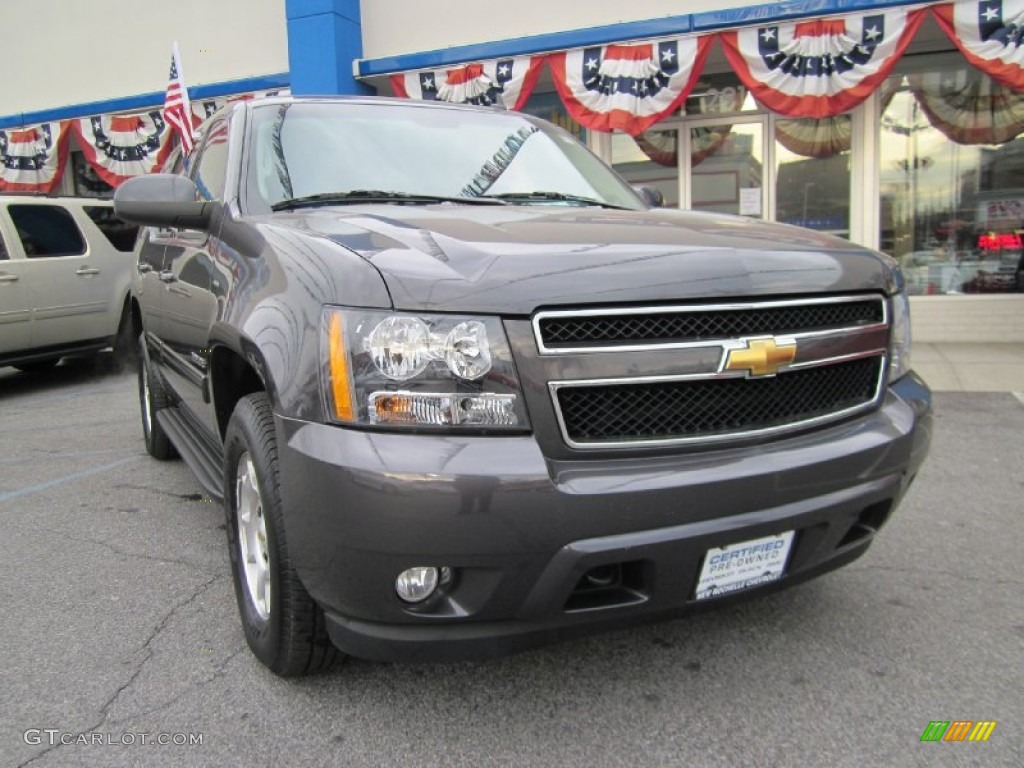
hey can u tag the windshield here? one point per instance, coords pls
(320, 152)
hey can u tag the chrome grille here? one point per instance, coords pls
(607, 329)
(713, 407)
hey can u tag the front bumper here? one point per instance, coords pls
(520, 530)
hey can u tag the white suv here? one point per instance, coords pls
(65, 273)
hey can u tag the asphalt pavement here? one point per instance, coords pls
(119, 630)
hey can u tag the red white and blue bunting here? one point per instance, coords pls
(629, 87)
(990, 34)
(824, 67)
(969, 110)
(32, 159)
(119, 147)
(500, 82)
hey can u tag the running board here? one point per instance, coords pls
(202, 458)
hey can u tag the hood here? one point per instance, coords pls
(515, 259)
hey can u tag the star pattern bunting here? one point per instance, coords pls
(990, 34)
(820, 68)
(32, 159)
(119, 147)
(499, 82)
(629, 87)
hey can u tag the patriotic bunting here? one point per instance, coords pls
(978, 111)
(121, 146)
(501, 82)
(629, 87)
(32, 159)
(661, 147)
(990, 34)
(820, 68)
(809, 137)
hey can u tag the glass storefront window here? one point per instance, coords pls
(727, 162)
(952, 181)
(650, 159)
(812, 173)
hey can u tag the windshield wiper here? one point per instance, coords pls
(543, 195)
(355, 196)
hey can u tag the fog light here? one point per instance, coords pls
(417, 584)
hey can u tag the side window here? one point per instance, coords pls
(3, 250)
(211, 166)
(197, 272)
(118, 232)
(47, 230)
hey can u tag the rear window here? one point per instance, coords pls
(118, 232)
(47, 230)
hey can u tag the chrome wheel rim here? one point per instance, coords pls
(147, 408)
(252, 536)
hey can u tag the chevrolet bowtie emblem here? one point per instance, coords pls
(760, 357)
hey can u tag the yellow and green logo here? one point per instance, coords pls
(958, 730)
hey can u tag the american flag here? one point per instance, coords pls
(177, 110)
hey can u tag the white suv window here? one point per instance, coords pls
(46, 230)
(118, 232)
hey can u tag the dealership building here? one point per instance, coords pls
(899, 126)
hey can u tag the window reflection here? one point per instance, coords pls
(952, 176)
(727, 168)
(812, 160)
(650, 159)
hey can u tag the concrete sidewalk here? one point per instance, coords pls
(970, 367)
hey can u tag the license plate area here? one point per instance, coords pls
(743, 565)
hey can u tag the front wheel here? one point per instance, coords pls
(284, 628)
(152, 398)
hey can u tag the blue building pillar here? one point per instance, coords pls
(324, 37)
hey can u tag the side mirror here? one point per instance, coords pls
(163, 200)
(650, 195)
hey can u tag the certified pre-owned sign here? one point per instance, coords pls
(746, 564)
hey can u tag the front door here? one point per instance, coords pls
(191, 305)
(190, 308)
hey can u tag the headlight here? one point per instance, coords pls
(405, 370)
(899, 362)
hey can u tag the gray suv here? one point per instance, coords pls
(462, 391)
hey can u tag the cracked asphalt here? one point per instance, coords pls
(118, 619)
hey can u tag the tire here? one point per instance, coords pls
(39, 366)
(284, 627)
(152, 397)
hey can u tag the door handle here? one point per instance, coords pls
(144, 268)
(168, 277)
(87, 271)
(8, 278)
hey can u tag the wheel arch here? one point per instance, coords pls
(232, 377)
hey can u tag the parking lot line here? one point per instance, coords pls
(30, 489)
